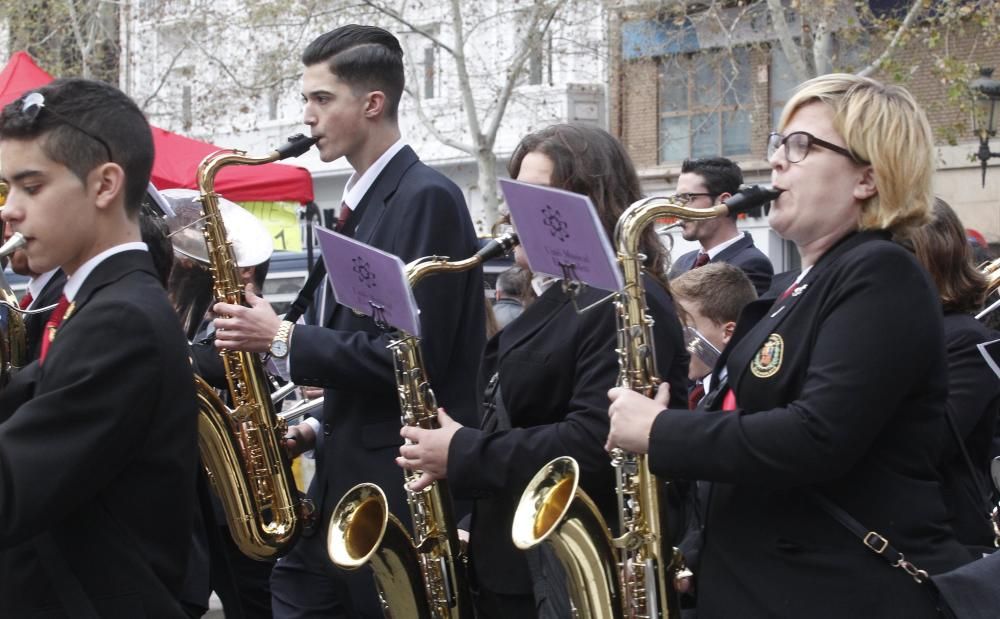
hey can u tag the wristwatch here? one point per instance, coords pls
(279, 345)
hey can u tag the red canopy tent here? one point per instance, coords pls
(177, 157)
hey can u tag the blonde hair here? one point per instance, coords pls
(883, 125)
(720, 290)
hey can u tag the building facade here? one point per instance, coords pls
(710, 79)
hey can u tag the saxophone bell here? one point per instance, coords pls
(553, 509)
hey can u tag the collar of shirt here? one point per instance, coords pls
(37, 284)
(540, 283)
(75, 281)
(357, 187)
(715, 251)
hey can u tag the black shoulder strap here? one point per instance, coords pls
(871, 539)
(305, 296)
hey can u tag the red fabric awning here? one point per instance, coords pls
(177, 157)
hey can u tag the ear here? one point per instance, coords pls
(727, 331)
(723, 197)
(108, 180)
(866, 187)
(375, 104)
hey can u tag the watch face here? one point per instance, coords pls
(279, 348)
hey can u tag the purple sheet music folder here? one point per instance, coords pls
(561, 234)
(369, 280)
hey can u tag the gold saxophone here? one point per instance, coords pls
(634, 579)
(13, 336)
(423, 575)
(241, 446)
(991, 270)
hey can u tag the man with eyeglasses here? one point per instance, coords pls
(706, 182)
(98, 438)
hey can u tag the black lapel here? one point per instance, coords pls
(735, 248)
(533, 319)
(369, 213)
(768, 321)
(365, 218)
(111, 270)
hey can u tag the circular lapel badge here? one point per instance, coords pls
(767, 361)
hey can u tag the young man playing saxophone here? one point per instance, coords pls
(97, 469)
(352, 84)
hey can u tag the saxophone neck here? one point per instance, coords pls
(421, 267)
(210, 165)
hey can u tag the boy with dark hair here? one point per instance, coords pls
(351, 87)
(706, 182)
(98, 439)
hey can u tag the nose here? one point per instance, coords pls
(10, 211)
(308, 117)
(777, 160)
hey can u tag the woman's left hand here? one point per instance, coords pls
(632, 415)
(427, 451)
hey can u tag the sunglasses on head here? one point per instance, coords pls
(32, 105)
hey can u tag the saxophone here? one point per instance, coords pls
(13, 336)
(423, 575)
(241, 446)
(634, 579)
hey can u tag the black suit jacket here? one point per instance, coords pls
(555, 368)
(411, 211)
(743, 254)
(34, 324)
(102, 459)
(841, 389)
(973, 402)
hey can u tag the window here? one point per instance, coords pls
(782, 83)
(705, 104)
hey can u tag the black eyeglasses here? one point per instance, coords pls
(798, 143)
(690, 195)
(31, 107)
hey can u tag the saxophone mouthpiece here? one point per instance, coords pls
(296, 145)
(498, 246)
(750, 197)
(13, 244)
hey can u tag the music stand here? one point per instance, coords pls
(369, 281)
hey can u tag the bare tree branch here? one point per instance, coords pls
(428, 122)
(163, 79)
(399, 17)
(911, 15)
(788, 45)
(535, 34)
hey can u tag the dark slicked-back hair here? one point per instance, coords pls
(365, 57)
(98, 109)
(721, 175)
(590, 161)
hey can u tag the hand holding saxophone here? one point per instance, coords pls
(427, 450)
(248, 328)
(632, 415)
(300, 438)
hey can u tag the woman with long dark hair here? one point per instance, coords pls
(549, 370)
(973, 389)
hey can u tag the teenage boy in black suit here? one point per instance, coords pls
(352, 85)
(710, 181)
(100, 462)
